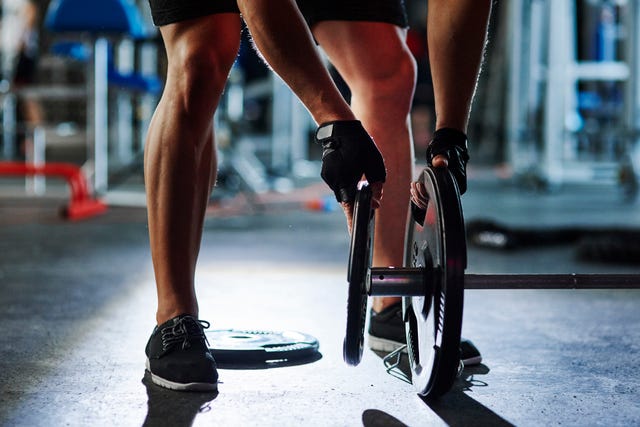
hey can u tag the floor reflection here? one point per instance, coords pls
(173, 408)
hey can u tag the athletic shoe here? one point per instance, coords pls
(386, 329)
(178, 356)
(469, 353)
(386, 334)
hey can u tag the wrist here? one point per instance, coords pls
(328, 131)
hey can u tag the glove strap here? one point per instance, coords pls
(328, 132)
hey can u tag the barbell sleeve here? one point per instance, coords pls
(396, 282)
(552, 281)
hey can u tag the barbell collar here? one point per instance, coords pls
(396, 282)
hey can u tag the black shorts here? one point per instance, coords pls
(166, 12)
(390, 11)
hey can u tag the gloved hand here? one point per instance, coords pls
(452, 145)
(448, 148)
(348, 152)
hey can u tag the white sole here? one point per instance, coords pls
(383, 345)
(472, 361)
(387, 346)
(180, 386)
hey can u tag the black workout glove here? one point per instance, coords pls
(348, 152)
(452, 144)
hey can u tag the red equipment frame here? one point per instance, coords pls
(81, 204)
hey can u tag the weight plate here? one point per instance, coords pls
(231, 346)
(433, 322)
(360, 253)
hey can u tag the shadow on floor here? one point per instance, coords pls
(456, 408)
(377, 418)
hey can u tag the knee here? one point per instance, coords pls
(197, 75)
(403, 77)
(392, 80)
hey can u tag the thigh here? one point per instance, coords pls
(362, 38)
(200, 54)
(202, 43)
(363, 50)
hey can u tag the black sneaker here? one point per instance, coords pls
(178, 356)
(386, 334)
(386, 329)
(469, 353)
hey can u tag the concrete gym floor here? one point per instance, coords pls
(78, 305)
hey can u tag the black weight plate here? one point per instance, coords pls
(434, 322)
(242, 346)
(360, 253)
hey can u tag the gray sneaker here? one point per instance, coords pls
(386, 334)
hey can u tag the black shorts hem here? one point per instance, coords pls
(385, 11)
(193, 9)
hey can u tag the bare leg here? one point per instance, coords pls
(382, 82)
(456, 38)
(180, 160)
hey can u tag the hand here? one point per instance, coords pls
(376, 197)
(448, 148)
(419, 196)
(348, 153)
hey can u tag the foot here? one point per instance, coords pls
(178, 356)
(386, 329)
(469, 353)
(387, 333)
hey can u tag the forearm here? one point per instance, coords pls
(283, 39)
(456, 37)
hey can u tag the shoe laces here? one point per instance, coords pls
(184, 331)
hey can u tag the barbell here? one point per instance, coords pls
(432, 283)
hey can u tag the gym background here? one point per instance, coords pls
(553, 188)
(540, 126)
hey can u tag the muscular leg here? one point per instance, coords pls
(180, 160)
(456, 34)
(382, 82)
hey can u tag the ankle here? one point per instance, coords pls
(164, 315)
(379, 304)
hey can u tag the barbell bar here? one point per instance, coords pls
(405, 282)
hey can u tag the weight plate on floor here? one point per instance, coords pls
(360, 253)
(231, 346)
(433, 322)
